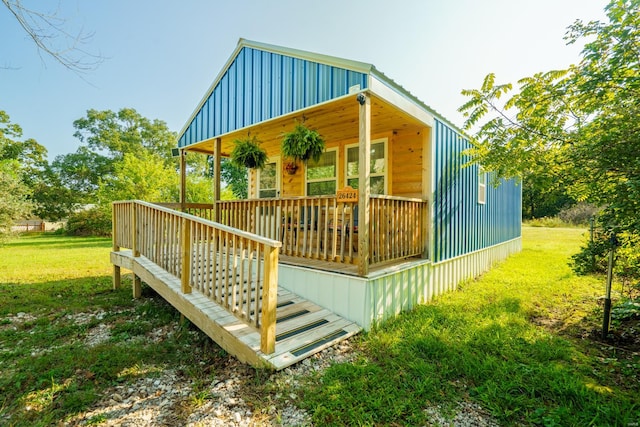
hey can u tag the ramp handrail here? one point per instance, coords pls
(236, 269)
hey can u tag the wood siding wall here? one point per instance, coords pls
(404, 162)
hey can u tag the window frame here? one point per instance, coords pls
(385, 174)
(335, 178)
(276, 160)
(482, 186)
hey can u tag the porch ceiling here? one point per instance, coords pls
(336, 121)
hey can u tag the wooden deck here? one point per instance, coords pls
(302, 327)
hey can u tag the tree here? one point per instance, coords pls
(80, 172)
(143, 177)
(114, 134)
(584, 119)
(235, 177)
(49, 32)
(14, 197)
(106, 138)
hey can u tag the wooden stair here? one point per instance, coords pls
(302, 327)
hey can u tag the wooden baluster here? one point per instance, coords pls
(250, 280)
(234, 274)
(258, 289)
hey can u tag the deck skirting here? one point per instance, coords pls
(387, 292)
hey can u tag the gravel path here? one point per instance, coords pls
(169, 398)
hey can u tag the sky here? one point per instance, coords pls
(161, 56)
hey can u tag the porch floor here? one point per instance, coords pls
(344, 268)
(302, 327)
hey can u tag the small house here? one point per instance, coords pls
(389, 215)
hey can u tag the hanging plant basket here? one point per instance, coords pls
(248, 153)
(302, 144)
(291, 168)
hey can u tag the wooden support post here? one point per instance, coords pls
(137, 287)
(364, 183)
(269, 301)
(216, 179)
(427, 190)
(117, 276)
(185, 255)
(183, 180)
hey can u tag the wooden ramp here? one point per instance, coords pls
(302, 327)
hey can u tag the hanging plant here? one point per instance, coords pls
(302, 144)
(248, 153)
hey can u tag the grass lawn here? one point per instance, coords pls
(55, 294)
(516, 342)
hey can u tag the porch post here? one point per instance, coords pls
(183, 180)
(364, 183)
(427, 190)
(217, 149)
(117, 277)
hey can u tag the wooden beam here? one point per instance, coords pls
(183, 179)
(269, 300)
(216, 178)
(364, 182)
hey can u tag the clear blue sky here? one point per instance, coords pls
(161, 56)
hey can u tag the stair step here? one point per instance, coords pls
(303, 328)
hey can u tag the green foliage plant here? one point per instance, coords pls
(582, 120)
(248, 153)
(501, 342)
(302, 144)
(91, 222)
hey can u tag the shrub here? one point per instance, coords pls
(92, 222)
(578, 214)
(593, 258)
(549, 222)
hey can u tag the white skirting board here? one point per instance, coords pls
(365, 300)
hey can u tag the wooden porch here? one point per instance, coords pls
(322, 232)
(225, 281)
(223, 276)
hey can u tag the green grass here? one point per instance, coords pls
(517, 342)
(49, 372)
(509, 341)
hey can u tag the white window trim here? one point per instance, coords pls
(386, 162)
(276, 160)
(306, 180)
(482, 186)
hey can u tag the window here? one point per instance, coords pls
(482, 186)
(268, 182)
(378, 180)
(321, 175)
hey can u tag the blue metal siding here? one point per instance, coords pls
(260, 85)
(461, 224)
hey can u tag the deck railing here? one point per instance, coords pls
(325, 229)
(236, 269)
